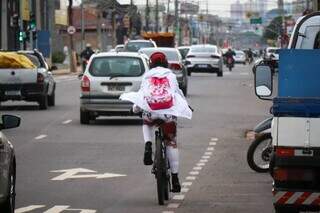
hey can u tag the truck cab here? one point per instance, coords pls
(295, 164)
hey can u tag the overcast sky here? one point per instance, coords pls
(218, 7)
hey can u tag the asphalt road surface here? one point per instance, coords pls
(63, 166)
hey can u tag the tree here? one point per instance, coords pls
(274, 29)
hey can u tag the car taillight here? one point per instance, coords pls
(85, 84)
(215, 56)
(191, 56)
(175, 66)
(40, 78)
(288, 174)
(284, 152)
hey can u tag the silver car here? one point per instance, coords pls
(204, 58)
(106, 77)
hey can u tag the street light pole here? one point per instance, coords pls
(157, 16)
(147, 15)
(82, 26)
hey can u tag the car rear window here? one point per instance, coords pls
(34, 60)
(203, 49)
(116, 66)
(172, 55)
(136, 46)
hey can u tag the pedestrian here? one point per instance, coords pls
(85, 55)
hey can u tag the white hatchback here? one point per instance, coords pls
(106, 77)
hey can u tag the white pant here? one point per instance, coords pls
(148, 135)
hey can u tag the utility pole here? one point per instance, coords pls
(147, 15)
(72, 57)
(280, 7)
(82, 26)
(21, 23)
(157, 16)
(167, 18)
(114, 27)
(176, 20)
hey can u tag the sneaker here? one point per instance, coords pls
(147, 159)
(176, 188)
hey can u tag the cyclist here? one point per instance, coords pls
(160, 98)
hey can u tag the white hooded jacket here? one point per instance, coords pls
(180, 107)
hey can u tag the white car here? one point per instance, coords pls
(240, 57)
(136, 45)
(106, 77)
(272, 53)
(204, 58)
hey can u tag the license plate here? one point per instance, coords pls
(116, 88)
(203, 65)
(13, 93)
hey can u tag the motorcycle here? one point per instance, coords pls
(230, 63)
(260, 151)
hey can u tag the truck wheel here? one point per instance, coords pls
(43, 102)
(84, 117)
(51, 99)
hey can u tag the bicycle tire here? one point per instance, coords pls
(250, 155)
(159, 171)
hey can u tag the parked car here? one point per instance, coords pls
(184, 51)
(175, 64)
(204, 58)
(119, 47)
(106, 77)
(7, 165)
(240, 57)
(28, 84)
(136, 45)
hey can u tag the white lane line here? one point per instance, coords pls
(186, 183)
(197, 168)
(212, 143)
(40, 137)
(178, 197)
(201, 164)
(203, 161)
(210, 149)
(205, 157)
(214, 139)
(168, 212)
(173, 205)
(194, 173)
(244, 73)
(190, 178)
(184, 190)
(29, 208)
(67, 122)
(208, 153)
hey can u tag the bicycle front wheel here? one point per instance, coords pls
(160, 170)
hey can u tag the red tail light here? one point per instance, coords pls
(85, 84)
(40, 78)
(191, 56)
(284, 152)
(175, 66)
(283, 174)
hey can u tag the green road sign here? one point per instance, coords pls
(256, 20)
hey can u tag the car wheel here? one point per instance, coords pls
(43, 102)
(51, 99)
(84, 117)
(189, 72)
(8, 205)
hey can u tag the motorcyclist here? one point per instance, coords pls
(159, 97)
(85, 55)
(229, 56)
(250, 55)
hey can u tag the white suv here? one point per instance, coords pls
(106, 77)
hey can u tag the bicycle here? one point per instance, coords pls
(161, 165)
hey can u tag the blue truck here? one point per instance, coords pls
(295, 161)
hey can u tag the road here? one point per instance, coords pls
(63, 166)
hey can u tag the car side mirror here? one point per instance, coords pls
(80, 76)
(10, 121)
(263, 81)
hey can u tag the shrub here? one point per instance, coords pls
(58, 57)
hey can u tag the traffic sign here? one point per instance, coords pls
(71, 30)
(256, 20)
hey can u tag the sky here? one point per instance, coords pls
(217, 7)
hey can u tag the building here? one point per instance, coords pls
(237, 11)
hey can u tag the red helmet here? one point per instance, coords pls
(158, 59)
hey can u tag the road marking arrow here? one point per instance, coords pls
(29, 208)
(72, 174)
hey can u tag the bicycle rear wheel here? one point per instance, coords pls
(160, 170)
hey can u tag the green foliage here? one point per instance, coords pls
(274, 29)
(58, 57)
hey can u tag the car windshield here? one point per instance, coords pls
(273, 51)
(203, 49)
(239, 53)
(172, 55)
(116, 66)
(136, 46)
